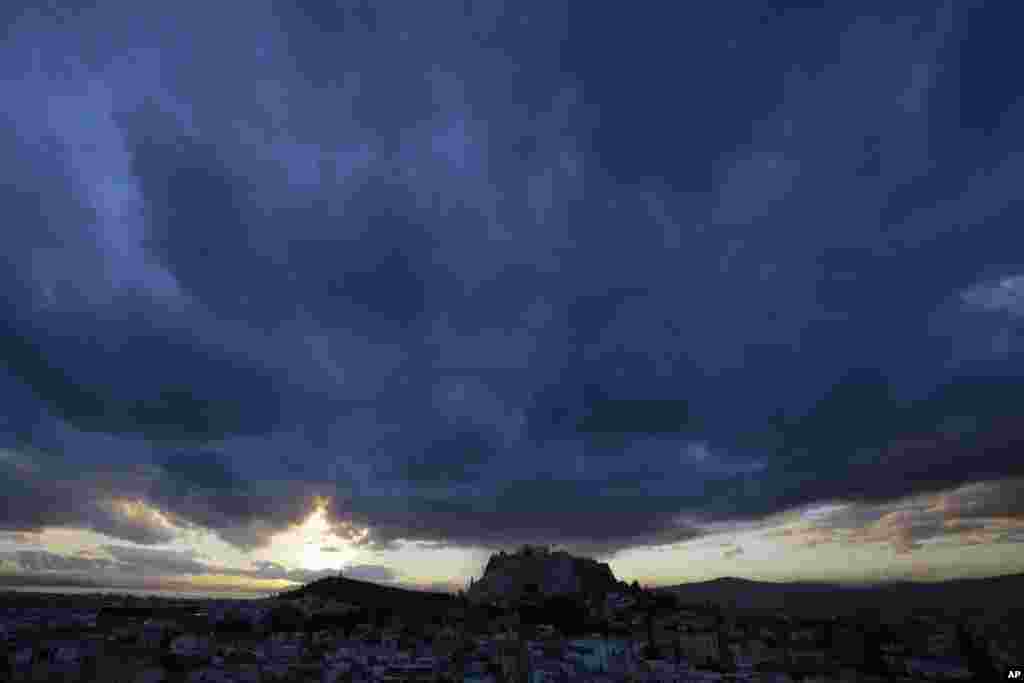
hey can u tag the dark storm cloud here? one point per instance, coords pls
(639, 416)
(453, 459)
(484, 273)
(124, 378)
(367, 267)
(883, 447)
(201, 489)
(44, 490)
(563, 512)
(201, 469)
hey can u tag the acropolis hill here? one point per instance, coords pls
(540, 571)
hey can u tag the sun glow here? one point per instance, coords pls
(303, 546)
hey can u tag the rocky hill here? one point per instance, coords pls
(372, 596)
(539, 571)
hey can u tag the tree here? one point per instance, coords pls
(978, 660)
(654, 603)
(493, 669)
(649, 606)
(233, 622)
(667, 601)
(285, 618)
(873, 662)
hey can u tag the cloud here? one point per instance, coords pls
(643, 416)
(195, 392)
(581, 527)
(893, 447)
(116, 565)
(273, 570)
(806, 537)
(61, 580)
(133, 521)
(1006, 295)
(984, 499)
(131, 567)
(43, 489)
(460, 271)
(900, 529)
(40, 560)
(370, 572)
(200, 469)
(202, 488)
(454, 459)
(156, 561)
(752, 185)
(732, 552)
(17, 537)
(974, 514)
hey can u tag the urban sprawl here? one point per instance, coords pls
(632, 634)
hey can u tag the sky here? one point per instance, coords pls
(294, 288)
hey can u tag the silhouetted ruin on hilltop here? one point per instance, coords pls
(537, 570)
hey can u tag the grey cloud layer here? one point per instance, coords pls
(129, 566)
(979, 513)
(480, 279)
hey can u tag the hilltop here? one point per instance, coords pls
(536, 570)
(372, 596)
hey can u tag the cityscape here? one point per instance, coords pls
(520, 341)
(546, 625)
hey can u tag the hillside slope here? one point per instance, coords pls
(372, 595)
(820, 599)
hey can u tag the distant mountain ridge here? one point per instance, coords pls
(823, 599)
(994, 595)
